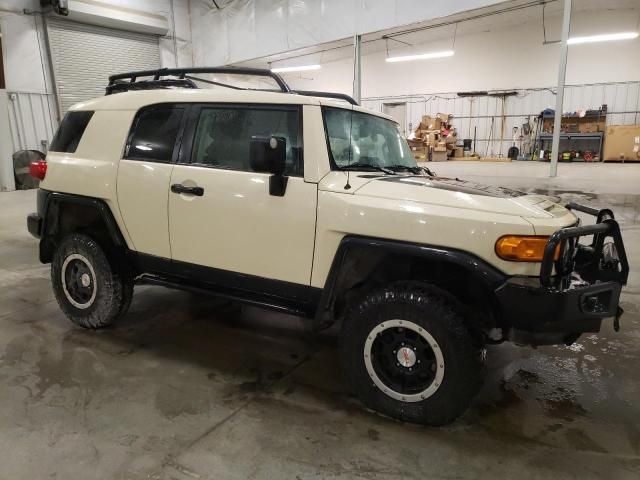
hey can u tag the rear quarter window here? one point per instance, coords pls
(70, 132)
(154, 133)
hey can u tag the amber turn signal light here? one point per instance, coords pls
(523, 248)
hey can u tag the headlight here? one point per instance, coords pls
(523, 248)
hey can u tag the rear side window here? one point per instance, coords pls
(154, 134)
(70, 132)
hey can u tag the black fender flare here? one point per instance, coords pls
(49, 208)
(480, 269)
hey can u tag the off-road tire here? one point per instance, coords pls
(430, 310)
(111, 281)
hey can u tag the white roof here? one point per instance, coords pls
(134, 100)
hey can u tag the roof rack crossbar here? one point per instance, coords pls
(182, 72)
(338, 96)
(211, 82)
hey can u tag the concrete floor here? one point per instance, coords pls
(190, 388)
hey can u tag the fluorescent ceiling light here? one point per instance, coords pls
(301, 68)
(423, 56)
(607, 37)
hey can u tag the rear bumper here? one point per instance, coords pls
(35, 221)
(34, 224)
(573, 294)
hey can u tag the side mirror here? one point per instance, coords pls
(268, 155)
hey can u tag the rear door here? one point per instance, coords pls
(236, 225)
(144, 174)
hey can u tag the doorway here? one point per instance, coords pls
(398, 111)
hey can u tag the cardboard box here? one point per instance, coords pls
(421, 153)
(415, 142)
(444, 117)
(432, 138)
(458, 152)
(622, 142)
(438, 156)
(576, 124)
(570, 127)
(430, 123)
(588, 127)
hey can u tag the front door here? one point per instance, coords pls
(230, 221)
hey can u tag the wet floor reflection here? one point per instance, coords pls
(583, 396)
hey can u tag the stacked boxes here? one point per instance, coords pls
(434, 139)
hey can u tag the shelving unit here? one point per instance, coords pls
(574, 140)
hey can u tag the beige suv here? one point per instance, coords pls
(308, 204)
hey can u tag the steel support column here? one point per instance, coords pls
(562, 70)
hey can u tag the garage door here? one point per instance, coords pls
(85, 55)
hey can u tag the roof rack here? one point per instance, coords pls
(119, 86)
(338, 96)
(184, 73)
(123, 82)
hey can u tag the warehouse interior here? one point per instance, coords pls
(539, 96)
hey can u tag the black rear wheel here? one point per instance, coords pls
(408, 354)
(92, 291)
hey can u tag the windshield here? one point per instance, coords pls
(361, 139)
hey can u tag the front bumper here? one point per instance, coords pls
(574, 293)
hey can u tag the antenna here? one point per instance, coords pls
(347, 186)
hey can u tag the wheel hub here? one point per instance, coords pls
(78, 281)
(403, 360)
(406, 357)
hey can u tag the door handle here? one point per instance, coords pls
(178, 188)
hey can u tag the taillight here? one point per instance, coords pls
(38, 169)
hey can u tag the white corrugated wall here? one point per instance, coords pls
(32, 120)
(622, 100)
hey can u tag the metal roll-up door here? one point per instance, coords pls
(84, 56)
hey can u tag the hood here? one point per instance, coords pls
(453, 192)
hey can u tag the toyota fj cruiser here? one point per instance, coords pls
(306, 203)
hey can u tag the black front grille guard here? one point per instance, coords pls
(603, 261)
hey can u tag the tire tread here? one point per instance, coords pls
(114, 282)
(438, 312)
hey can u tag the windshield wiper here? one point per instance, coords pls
(415, 170)
(367, 166)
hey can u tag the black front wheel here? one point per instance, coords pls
(408, 354)
(92, 291)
